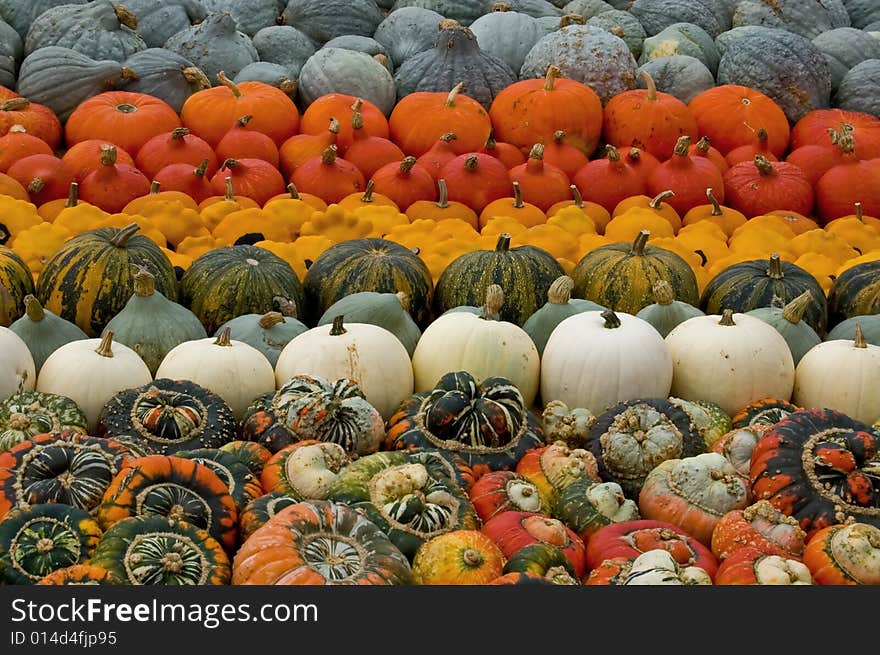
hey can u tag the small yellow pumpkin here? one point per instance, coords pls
(368, 198)
(251, 221)
(38, 243)
(727, 218)
(655, 205)
(592, 210)
(337, 225)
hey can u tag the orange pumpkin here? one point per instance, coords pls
(460, 557)
(17, 144)
(640, 160)
(753, 566)
(507, 153)
(747, 152)
(404, 182)
(85, 157)
(524, 213)
(687, 176)
(843, 185)
(761, 186)
(38, 120)
(113, 185)
(369, 153)
(442, 208)
(157, 195)
(815, 159)
(329, 177)
(476, 180)
(608, 180)
(44, 177)
(813, 127)
(193, 181)
(342, 107)
(253, 178)
(9, 186)
(368, 198)
(292, 193)
(543, 184)
(704, 148)
(179, 146)
(845, 554)
(241, 142)
(437, 156)
(298, 149)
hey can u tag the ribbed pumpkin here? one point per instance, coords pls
(88, 280)
(761, 186)
(268, 332)
(687, 176)
(26, 414)
(542, 184)
(799, 335)
(235, 280)
(621, 276)
(559, 306)
(16, 278)
(854, 292)
(524, 273)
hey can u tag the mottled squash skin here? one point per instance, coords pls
(16, 277)
(855, 292)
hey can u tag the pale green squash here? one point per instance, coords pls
(43, 331)
(559, 306)
(788, 321)
(666, 312)
(268, 332)
(846, 329)
(387, 310)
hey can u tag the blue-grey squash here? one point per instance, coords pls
(679, 75)
(43, 331)
(507, 34)
(151, 324)
(99, 29)
(464, 11)
(284, 45)
(559, 306)
(682, 39)
(21, 13)
(250, 15)
(158, 21)
(364, 44)
(533, 8)
(808, 18)
(587, 54)
(859, 89)
(385, 309)
(408, 31)
(586, 8)
(272, 74)
(788, 321)
(455, 58)
(268, 332)
(61, 78)
(844, 48)
(783, 65)
(623, 24)
(10, 54)
(323, 20)
(164, 74)
(215, 45)
(337, 70)
(654, 15)
(846, 329)
(862, 12)
(666, 311)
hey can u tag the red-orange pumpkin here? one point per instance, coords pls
(329, 177)
(368, 152)
(562, 155)
(298, 149)
(608, 180)
(405, 182)
(254, 178)
(843, 185)
(113, 185)
(18, 144)
(186, 178)
(85, 157)
(508, 153)
(476, 180)
(542, 184)
(37, 119)
(179, 146)
(813, 128)
(241, 142)
(761, 186)
(342, 107)
(45, 177)
(687, 177)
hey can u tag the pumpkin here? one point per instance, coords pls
(754, 283)
(64, 467)
(496, 492)
(258, 511)
(666, 312)
(157, 550)
(268, 332)
(552, 468)
(753, 566)
(198, 44)
(243, 143)
(43, 331)
(168, 415)
(540, 562)
(708, 418)
(487, 424)
(507, 153)
(44, 177)
(787, 320)
(512, 531)
(843, 554)
(36, 540)
(329, 70)
(559, 306)
(761, 186)
(608, 180)
(586, 506)
(156, 24)
(737, 446)
(369, 153)
(806, 18)
(241, 482)
(164, 74)
(507, 34)
(847, 329)
(404, 182)
(407, 31)
(460, 557)
(763, 412)
(815, 465)
(342, 107)
(570, 425)
(813, 129)
(36, 119)
(80, 574)
(544, 184)
(16, 278)
(17, 144)
(26, 414)
(476, 179)
(305, 469)
(387, 310)
(18, 371)
(184, 178)
(760, 526)
(854, 292)
(322, 542)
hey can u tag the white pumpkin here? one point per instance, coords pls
(17, 369)
(730, 360)
(481, 345)
(841, 374)
(232, 369)
(597, 359)
(368, 354)
(91, 371)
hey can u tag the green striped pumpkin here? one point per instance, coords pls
(89, 279)
(855, 292)
(26, 414)
(525, 274)
(758, 283)
(368, 264)
(241, 279)
(16, 277)
(621, 276)
(242, 483)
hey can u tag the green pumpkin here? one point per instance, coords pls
(10, 54)
(88, 280)
(158, 21)
(43, 331)
(681, 39)
(858, 90)
(214, 45)
(666, 312)
(340, 70)
(387, 310)
(242, 483)
(16, 278)
(752, 284)
(368, 264)
(407, 31)
(285, 46)
(621, 24)
(323, 20)
(539, 558)
(165, 75)
(681, 76)
(844, 48)
(585, 506)
(621, 276)
(809, 18)
(787, 320)
(36, 540)
(709, 419)
(525, 273)
(268, 332)
(240, 279)
(155, 550)
(28, 413)
(20, 14)
(869, 323)
(507, 34)
(713, 16)
(855, 292)
(151, 324)
(559, 306)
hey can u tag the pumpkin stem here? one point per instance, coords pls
(859, 214)
(537, 152)
(196, 78)
(472, 557)
(657, 200)
(612, 153)
(357, 121)
(576, 195)
(407, 163)
(368, 192)
(727, 318)
(286, 306)
(403, 299)
(716, 206)
(663, 294)
(471, 162)
(36, 185)
(517, 196)
(381, 58)
(558, 136)
(448, 137)
(793, 312)
(293, 191)
(634, 154)
(553, 72)
(33, 308)
(682, 146)
(641, 240)
(144, 282)
(224, 338)
(571, 19)
(124, 234)
(105, 348)
(229, 195)
(453, 94)
(503, 243)
(108, 155)
(72, 195)
(649, 82)
(328, 157)
(271, 319)
(244, 120)
(337, 328)
(763, 165)
(443, 197)
(703, 145)
(126, 17)
(612, 320)
(774, 270)
(357, 104)
(288, 86)
(762, 135)
(501, 6)
(491, 143)
(560, 290)
(202, 169)
(859, 341)
(15, 104)
(229, 84)
(493, 303)
(179, 132)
